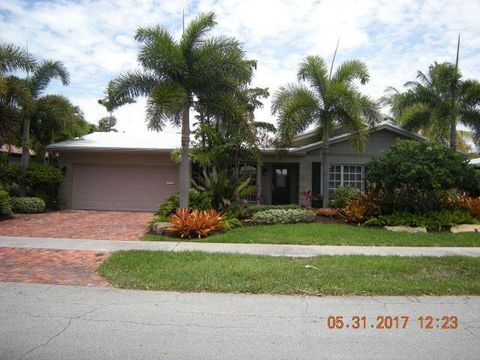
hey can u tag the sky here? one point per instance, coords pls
(395, 38)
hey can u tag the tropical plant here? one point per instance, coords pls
(195, 223)
(5, 206)
(176, 74)
(36, 84)
(325, 100)
(13, 94)
(341, 195)
(415, 176)
(107, 123)
(224, 188)
(436, 103)
(437, 220)
(283, 216)
(27, 205)
(360, 207)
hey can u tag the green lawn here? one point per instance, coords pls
(323, 275)
(332, 234)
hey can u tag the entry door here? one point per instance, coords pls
(281, 185)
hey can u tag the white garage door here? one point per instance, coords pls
(122, 187)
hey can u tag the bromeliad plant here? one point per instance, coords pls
(224, 188)
(195, 223)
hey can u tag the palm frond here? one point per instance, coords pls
(131, 85)
(165, 103)
(46, 72)
(314, 71)
(159, 52)
(414, 117)
(297, 108)
(352, 70)
(195, 32)
(13, 58)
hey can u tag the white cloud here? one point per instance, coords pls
(395, 38)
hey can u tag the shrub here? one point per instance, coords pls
(225, 189)
(361, 207)
(327, 212)
(283, 216)
(341, 196)
(414, 176)
(40, 180)
(27, 205)
(250, 210)
(229, 222)
(437, 220)
(5, 207)
(197, 200)
(195, 223)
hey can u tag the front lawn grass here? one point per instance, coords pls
(331, 234)
(322, 275)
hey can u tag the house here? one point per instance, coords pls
(14, 153)
(117, 171)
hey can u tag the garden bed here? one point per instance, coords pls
(331, 234)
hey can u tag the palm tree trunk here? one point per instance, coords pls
(325, 165)
(185, 159)
(453, 135)
(25, 150)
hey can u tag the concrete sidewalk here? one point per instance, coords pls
(45, 322)
(251, 249)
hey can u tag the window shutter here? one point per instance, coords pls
(316, 180)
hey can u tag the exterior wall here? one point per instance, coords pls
(68, 159)
(340, 153)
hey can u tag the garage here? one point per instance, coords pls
(122, 187)
(117, 171)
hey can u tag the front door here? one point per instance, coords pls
(280, 185)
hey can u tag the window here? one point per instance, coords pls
(345, 175)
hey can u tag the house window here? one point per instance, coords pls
(345, 175)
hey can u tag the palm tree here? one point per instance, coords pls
(436, 103)
(107, 123)
(41, 77)
(176, 74)
(326, 101)
(13, 94)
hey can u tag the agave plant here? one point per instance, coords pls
(224, 188)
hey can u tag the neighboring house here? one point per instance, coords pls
(475, 162)
(14, 153)
(115, 171)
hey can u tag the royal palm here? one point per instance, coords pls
(177, 73)
(326, 101)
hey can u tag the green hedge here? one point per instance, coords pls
(283, 216)
(250, 210)
(437, 220)
(40, 180)
(5, 207)
(27, 205)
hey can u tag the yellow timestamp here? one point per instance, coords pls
(387, 322)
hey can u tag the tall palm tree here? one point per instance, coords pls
(13, 94)
(436, 103)
(178, 73)
(37, 83)
(326, 101)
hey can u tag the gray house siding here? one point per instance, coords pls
(341, 153)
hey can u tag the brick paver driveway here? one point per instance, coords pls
(79, 224)
(46, 266)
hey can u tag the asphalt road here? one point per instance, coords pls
(63, 322)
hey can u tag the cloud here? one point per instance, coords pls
(394, 38)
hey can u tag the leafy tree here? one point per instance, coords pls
(107, 124)
(13, 94)
(176, 74)
(56, 119)
(326, 101)
(436, 103)
(414, 176)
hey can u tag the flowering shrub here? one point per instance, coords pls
(195, 223)
(283, 216)
(327, 212)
